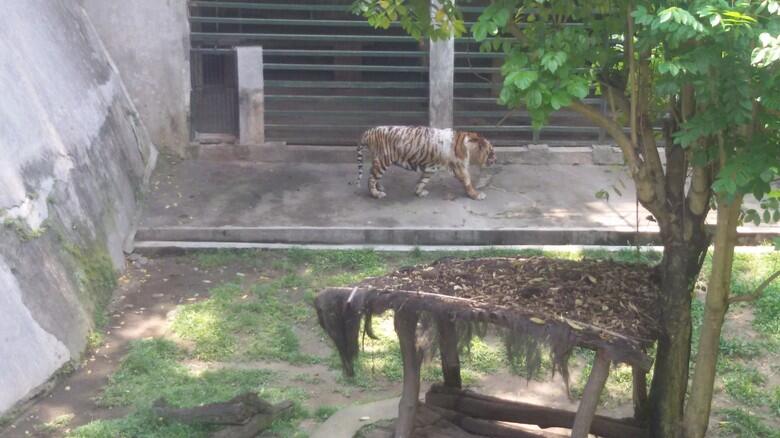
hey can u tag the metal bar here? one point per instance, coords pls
(347, 67)
(370, 53)
(290, 22)
(210, 36)
(517, 128)
(342, 113)
(308, 98)
(362, 53)
(280, 21)
(345, 84)
(379, 68)
(288, 6)
(380, 85)
(221, 51)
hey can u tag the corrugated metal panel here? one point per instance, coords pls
(329, 75)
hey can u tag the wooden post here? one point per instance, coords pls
(639, 394)
(405, 322)
(590, 396)
(448, 344)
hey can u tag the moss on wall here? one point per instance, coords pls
(95, 276)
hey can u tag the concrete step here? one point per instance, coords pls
(283, 153)
(411, 237)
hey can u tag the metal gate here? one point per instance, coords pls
(329, 75)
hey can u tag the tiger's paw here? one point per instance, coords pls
(480, 196)
(422, 193)
(379, 195)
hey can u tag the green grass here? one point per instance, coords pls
(239, 322)
(324, 412)
(745, 384)
(740, 423)
(151, 370)
(56, 425)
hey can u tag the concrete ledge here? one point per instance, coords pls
(421, 236)
(282, 153)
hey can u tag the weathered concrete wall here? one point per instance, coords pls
(74, 160)
(149, 42)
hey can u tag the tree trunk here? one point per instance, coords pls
(697, 411)
(670, 378)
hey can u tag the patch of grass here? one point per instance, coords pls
(619, 386)
(745, 384)
(740, 348)
(139, 424)
(308, 379)
(55, 425)
(236, 322)
(740, 423)
(774, 401)
(324, 412)
(151, 370)
(213, 258)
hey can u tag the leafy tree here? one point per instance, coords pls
(706, 72)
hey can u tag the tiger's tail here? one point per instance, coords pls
(362, 145)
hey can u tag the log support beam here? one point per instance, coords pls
(639, 395)
(448, 346)
(405, 322)
(590, 396)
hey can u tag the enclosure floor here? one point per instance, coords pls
(196, 195)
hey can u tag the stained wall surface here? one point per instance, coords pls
(74, 160)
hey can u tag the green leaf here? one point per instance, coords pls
(533, 99)
(525, 78)
(560, 99)
(577, 88)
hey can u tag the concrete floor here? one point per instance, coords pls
(199, 200)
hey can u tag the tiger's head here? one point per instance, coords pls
(480, 148)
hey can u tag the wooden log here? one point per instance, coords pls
(405, 322)
(590, 396)
(237, 410)
(639, 395)
(256, 424)
(485, 427)
(448, 347)
(492, 408)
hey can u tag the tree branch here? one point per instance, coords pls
(516, 32)
(613, 129)
(756, 294)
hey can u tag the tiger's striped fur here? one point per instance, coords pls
(424, 149)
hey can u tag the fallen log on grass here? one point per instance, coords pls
(492, 408)
(243, 416)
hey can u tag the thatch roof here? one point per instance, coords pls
(562, 303)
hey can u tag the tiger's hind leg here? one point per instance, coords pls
(428, 172)
(374, 180)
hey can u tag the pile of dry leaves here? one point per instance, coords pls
(614, 296)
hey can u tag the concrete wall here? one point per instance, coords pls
(149, 42)
(74, 161)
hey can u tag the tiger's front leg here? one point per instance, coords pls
(428, 172)
(462, 173)
(374, 184)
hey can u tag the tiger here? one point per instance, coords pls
(420, 148)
